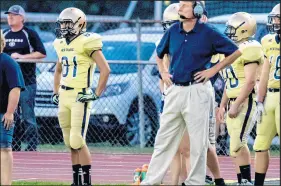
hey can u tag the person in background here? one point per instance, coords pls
(24, 43)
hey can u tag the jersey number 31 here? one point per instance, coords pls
(66, 65)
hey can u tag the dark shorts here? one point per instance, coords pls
(6, 136)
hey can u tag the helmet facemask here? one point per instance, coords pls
(231, 32)
(66, 28)
(167, 24)
(273, 26)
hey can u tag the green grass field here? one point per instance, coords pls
(49, 183)
(39, 183)
(107, 148)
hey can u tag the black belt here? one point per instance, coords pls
(185, 84)
(66, 88)
(250, 97)
(274, 90)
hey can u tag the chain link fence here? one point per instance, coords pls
(126, 118)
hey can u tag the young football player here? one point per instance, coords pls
(78, 54)
(238, 97)
(267, 113)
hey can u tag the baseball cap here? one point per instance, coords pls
(16, 9)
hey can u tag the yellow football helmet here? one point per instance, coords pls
(273, 24)
(71, 21)
(240, 26)
(170, 15)
(3, 42)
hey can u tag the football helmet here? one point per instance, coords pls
(240, 26)
(273, 23)
(170, 16)
(71, 22)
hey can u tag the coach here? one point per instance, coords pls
(11, 83)
(24, 43)
(190, 45)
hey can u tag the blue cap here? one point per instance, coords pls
(16, 9)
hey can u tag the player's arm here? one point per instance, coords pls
(224, 99)
(250, 78)
(57, 78)
(104, 71)
(262, 87)
(223, 104)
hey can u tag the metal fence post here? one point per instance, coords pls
(140, 92)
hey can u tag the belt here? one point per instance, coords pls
(185, 84)
(274, 90)
(250, 97)
(66, 88)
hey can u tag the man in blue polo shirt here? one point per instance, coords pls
(24, 43)
(11, 83)
(190, 45)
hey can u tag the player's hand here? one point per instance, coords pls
(259, 111)
(233, 111)
(16, 55)
(166, 77)
(204, 75)
(55, 99)
(8, 120)
(83, 97)
(221, 114)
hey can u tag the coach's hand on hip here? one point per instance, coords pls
(204, 75)
(166, 77)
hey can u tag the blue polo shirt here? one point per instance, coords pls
(190, 52)
(10, 77)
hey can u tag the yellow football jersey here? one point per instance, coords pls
(271, 48)
(76, 59)
(235, 77)
(217, 58)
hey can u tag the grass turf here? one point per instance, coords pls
(51, 183)
(107, 148)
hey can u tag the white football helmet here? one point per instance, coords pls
(273, 24)
(170, 16)
(240, 25)
(71, 21)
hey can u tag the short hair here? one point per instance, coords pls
(3, 42)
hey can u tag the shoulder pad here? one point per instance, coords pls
(251, 50)
(267, 39)
(92, 41)
(217, 58)
(57, 42)
(89, 36)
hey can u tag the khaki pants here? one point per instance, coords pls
(185, 108)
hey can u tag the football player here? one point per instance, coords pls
(239, 90)
(267, 113)
(180, 164)
(78, 54)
